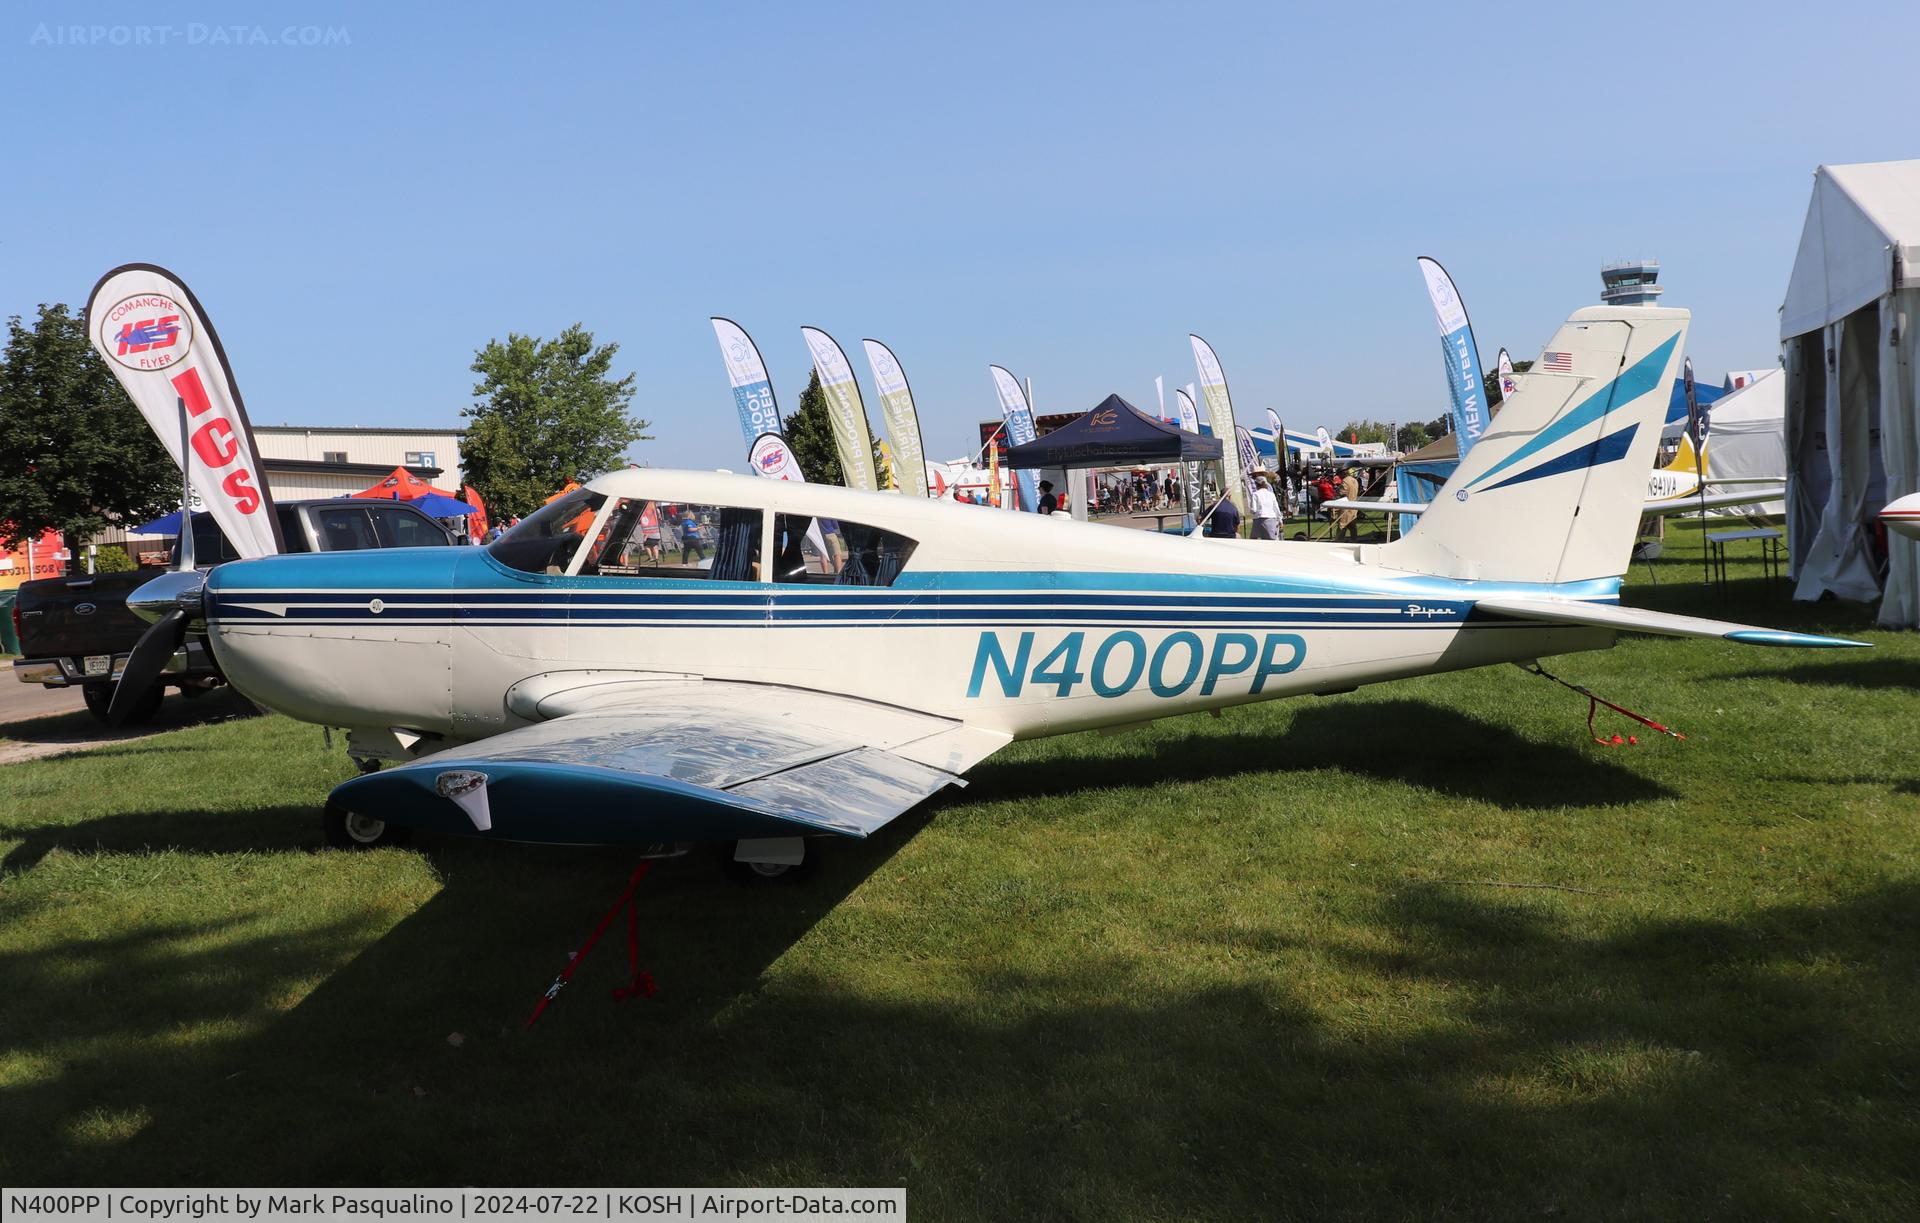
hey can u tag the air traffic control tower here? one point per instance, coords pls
(1631, 282)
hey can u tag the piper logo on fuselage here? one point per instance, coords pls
(1120, 662)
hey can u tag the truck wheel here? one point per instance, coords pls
(99, 698)
(346, 829)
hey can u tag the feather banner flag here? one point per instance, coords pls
(149, 328)
(752, 388)
(1183, 400)
(1213, 386)
(1020, 430)
(845, 411)
(902, 421)
(1190, 421)
(1509, 381)
(1465, 392)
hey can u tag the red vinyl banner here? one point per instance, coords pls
(155, 338)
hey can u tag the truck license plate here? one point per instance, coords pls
(99, 664)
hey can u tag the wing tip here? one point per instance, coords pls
(1780, 637)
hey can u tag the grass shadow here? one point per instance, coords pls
(261, 830)
(1455, 751)
(79, 726)
(1866, 673)
(1568, 1067)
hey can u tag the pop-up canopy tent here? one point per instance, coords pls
(403, 485)
(1114, 434)
(1847, 333)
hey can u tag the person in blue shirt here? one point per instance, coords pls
(1224, 523)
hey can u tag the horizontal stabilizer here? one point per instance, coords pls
(1637, 620)
(1666, 506)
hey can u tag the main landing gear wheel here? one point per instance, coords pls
(764, 871)
(346, 829)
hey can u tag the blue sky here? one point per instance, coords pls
(1064, 191)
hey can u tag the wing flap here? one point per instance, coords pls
(1639, 620)
(863, 789)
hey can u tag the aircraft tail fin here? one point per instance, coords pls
(1553, 490)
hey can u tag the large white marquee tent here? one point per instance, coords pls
(1846, 329)
(1747, 440)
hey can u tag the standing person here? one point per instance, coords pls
(690, 544)
(650, 533)
(1266, 507)
(1224, 522)
(1350, 489)
(1048, 502)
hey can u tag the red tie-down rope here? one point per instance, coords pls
(1593, 708)
(641, 983)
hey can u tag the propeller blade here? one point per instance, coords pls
(148, 660)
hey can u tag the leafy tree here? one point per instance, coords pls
(548, 413)
(1364, 431)
(1411, 437)
(809, 435)
(80, 457)
(111, 559)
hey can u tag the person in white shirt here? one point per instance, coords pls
(1266, 508)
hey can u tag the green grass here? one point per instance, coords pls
(1215, 968)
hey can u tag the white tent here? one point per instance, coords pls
(1747, 437)
(1853, 440)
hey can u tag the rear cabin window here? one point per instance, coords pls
(546, 539)
(345, 529)
(400, 528)
(673, 539)
(835, 552)
(210, 546)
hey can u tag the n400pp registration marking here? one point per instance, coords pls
(1118, 663)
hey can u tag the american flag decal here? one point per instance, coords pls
(1557, 362)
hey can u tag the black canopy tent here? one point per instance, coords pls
(1114, 434)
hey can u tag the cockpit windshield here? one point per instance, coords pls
(545, 541)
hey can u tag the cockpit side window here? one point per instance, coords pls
(546, 539)
(642, 538)
(834, 552)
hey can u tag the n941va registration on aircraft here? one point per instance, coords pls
(593, 678)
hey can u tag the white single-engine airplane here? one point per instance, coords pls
(593, 677)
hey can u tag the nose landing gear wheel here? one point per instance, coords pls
(346, 829)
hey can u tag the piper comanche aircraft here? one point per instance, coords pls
(599, 676)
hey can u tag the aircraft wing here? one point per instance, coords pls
(1692, 502)
(627, 760)
(1638, 620)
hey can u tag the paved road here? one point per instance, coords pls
(18, 700)
(36, 721)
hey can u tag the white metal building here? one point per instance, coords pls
(330, 461)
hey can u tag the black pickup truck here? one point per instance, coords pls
(77, 632)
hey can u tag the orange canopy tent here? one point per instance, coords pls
(403, 485)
